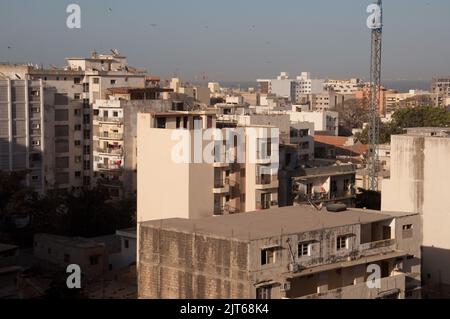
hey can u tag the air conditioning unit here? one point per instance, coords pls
(293, 267)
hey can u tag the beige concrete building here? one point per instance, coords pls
(440, 88)
(418, 184)
(291, 252)
(232, 182)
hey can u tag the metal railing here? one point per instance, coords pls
(113, 151)
(108, 119)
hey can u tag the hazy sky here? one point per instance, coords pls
(234, 40)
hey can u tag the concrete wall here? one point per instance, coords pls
(180, 265)
(168, 189)
(418, 183)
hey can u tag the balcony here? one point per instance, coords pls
(111, 136)
(115, 120)
(226, 210)
(116, 183)
(266, 181)
(110, 166)
(325, 196)
(392, 287)
(378, 247)
(112, 151)
(221, 186)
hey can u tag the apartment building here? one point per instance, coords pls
(115, 134)
(22, 118)
(325, 122)
(199, 93)
(242, 175)
(418, 184)
(325, 184)
(413, 98)
(291, 253)
(440, 88)
(76, 87)
(344, 86)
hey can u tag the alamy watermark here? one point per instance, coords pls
(374, 19)
(74, 19)
(236, 145)
(74, 279)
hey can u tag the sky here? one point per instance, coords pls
(233, 40)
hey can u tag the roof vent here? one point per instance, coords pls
(336, 208)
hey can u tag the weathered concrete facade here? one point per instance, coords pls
(419, 184)
(293, 252)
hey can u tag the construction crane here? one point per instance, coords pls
(375, 98)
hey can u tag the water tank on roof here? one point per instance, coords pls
(336, 208)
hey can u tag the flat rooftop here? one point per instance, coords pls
(78, 242)
(269, 223)
(7, 247)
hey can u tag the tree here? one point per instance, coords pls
(352, 114)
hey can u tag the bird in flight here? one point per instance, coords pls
(154, 25)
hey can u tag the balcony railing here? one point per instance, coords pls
(221, 183)
(114, 151)
(112, 136)
(226, 210)
(109, 166)
(265, 179)
(108, 119)
(381, 244)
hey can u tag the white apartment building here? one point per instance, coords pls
(22, 141)
(324, 121)
(76, 87)
(344, 86)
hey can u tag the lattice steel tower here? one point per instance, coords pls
(375, 101)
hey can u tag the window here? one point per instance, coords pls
(113, 82)
(96, 80)
(86, 180)
(407, 231)
(87, 150)
(263, 292)
(76, 80)
(115, 114)
(304, 249)
(66, 258)
(126, 243)
(77, 143)
(87, 134)
(35, 178)
(341, 243)
(178, 122)
(78, 174)
(267, 256)
(62, 162)
(77, 96)
(78, 159)
(93, 260)
(77, 127)
(87, 165)
(77, 112)
(161, 122)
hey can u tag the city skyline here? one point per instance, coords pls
(234, 41)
